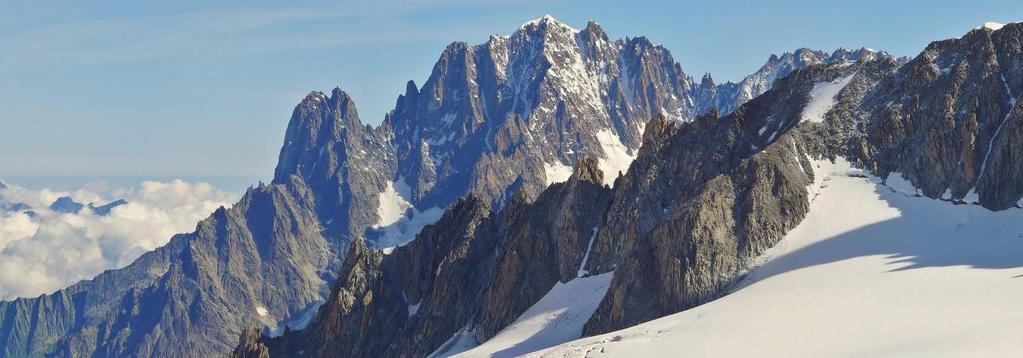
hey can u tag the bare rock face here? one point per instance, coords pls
(473, 269)
(948, 121)
(694, 211)
(250, 347)
(546, 94)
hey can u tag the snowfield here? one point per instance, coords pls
(557, 318)
(871, 271)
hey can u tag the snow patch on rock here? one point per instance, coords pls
(617, 157)
(400, 221)
(298, 321)
(556, 172)
(413, 309)
(405, 228)
(391, 207)
(822, 98)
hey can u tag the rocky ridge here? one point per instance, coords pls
(493, 120)
(703, 199)
(699, 203)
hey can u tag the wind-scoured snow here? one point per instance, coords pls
(869, 272)
(822, 98)
(617, 157)
(556, 172)
(557, 318)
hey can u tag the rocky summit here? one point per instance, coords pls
(527, 162)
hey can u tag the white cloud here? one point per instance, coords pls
(49, 250)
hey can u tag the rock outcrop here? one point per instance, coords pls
(949, 120)
(473, 268)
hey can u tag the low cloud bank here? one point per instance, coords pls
(42, 250)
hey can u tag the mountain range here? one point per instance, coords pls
(530, 161)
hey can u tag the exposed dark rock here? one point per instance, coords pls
(948, 121)
(409, 302)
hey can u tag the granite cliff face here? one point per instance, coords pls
(949, 120)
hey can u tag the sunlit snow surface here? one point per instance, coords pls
(556, 172)
(398, 221)
(557, 318)
(392, 206)
(822, 98)
(617, 157)
(869, 272)
(990, 25)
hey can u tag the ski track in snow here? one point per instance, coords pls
(871, 271)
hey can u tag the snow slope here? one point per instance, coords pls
(556, 172)
(869, 272)
(822, 98)
(391, 207)
(399, 221)
(557, 318)
(617, 157)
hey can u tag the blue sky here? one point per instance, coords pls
(202, 89)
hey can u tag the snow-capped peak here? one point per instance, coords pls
(990, 25)
(547, 20)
